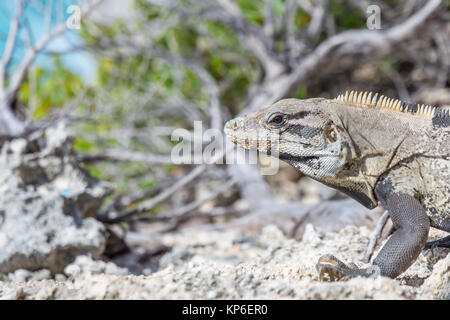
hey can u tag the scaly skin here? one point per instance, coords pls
(374, 150)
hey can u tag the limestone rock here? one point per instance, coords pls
(46, 205)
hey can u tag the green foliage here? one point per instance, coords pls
(147, 184)
(278, 6)
(253, 10)
(345, 17)
(82, 145)
(302, 93)
(50, 88)
(302, 19)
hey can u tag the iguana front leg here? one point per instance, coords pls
(400, 251)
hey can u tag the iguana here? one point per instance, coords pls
(374, 149)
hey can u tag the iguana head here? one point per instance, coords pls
(300, 132)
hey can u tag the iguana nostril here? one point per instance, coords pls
(231, 124)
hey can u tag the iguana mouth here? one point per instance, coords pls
(287, 156)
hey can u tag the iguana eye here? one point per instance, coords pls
(276, 120)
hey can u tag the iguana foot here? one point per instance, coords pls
(440, 243)
(335, 269)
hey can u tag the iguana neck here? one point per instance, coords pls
(375, 142)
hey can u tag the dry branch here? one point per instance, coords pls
(376, 236)
(164, 195)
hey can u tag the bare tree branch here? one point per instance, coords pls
(375, 236)
(269, 22)
(150, 204)
(177, 212)
(10, 42)
(317, 19)
(291, 43)
(196, 204)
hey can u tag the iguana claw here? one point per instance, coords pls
(333, 267)
(337, 270)
(442, 243)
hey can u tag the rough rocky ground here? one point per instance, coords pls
(230, 265)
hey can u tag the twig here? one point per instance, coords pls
(128, 200)
(150, 204)
(174, 223)
(196, 204)
(10, 42)
(291, 43)
(269, 21)
(375, 236)
(317, 19)
(399, 84)
(174, 213)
